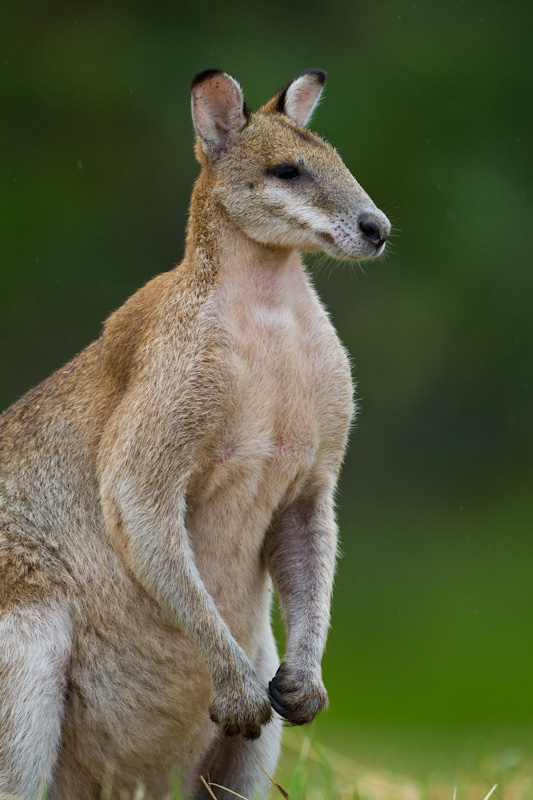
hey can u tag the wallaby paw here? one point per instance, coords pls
(242, 712)
(295, 696)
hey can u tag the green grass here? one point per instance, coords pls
(311, 771)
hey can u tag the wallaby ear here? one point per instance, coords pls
(218, 109)
(299, 98)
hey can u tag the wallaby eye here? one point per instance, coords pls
(287, 172)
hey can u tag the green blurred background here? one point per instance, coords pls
(430, 658)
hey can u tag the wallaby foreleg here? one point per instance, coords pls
(301, 550)
(157, 549)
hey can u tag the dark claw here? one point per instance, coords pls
(274, 692)
(276, 701)
(276, 706)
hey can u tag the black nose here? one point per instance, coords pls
(371, 231)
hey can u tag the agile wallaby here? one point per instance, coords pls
(153, 489)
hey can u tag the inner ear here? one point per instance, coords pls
(218, 109)
(299, 98)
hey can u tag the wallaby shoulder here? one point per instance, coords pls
(57, 427)
(90, 385)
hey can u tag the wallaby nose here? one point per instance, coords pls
(374, 232)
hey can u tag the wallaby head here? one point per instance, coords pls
(283, 185)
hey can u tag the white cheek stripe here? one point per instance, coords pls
(346, 238)
(307, 215)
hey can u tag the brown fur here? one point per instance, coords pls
(152, 488)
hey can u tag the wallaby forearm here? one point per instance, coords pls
(157, 550)
(301, 552)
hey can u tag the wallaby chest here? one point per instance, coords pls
(288, 380)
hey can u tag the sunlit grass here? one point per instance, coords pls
(312, 771)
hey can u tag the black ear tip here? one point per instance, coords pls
(203, 75)
(319, 74)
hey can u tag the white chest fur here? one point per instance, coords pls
(288, 382)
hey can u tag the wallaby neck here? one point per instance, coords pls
(214, 243)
